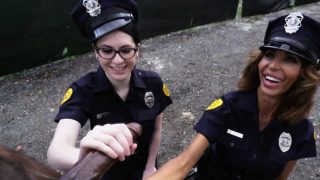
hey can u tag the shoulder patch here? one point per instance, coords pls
(315, 135)
(67, 95)
(215, 104)
(165, 90)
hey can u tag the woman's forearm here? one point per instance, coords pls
(155, 144)
(62, 152)
(62, 158)
(179, 167)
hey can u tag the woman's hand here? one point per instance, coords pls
(148, 172)
(114, 140)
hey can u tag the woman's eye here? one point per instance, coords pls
(125, 50)
(292, 60)
(107, 51)
(269, 55)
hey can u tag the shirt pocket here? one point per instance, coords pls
(148, 114)
(278, 160)
(234, 143)
(279, 157)
(234, 150)
(146, 118)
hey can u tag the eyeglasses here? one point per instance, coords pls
(109, 53)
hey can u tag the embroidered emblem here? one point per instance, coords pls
(149, 99)
(293, 22)
(93, 7)
(67, 95)
(215, 104)
(285, 141)
(165, 90)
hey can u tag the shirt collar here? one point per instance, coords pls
(248, 100)
(137, 79)
(102, 82)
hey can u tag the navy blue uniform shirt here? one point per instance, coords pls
(238, 150)
(93, 98)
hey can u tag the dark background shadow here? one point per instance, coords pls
(37, 32)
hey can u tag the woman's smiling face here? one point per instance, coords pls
(278, 71)
(117, 68)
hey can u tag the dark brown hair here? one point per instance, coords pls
(17, 166)
(298, 101)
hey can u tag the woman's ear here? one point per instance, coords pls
(138, 51)
(94, 50)
(96, 54)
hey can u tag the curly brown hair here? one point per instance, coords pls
(298, 101)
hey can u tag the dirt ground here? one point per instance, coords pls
(197, 64)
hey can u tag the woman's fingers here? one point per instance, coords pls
(133, 148)
(113, 140)
(90, 142)
(121, 135)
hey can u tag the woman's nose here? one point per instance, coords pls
(117, 58)
(275, 63)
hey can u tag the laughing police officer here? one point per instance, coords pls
(260, 130)
(116, 94)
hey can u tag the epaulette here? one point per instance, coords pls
(230, 95)
(86, 79)
(144, 73)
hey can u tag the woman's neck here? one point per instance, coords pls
(121, 87)
(267, 106)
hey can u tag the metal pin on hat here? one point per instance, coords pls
(93, 7)
(293, 22)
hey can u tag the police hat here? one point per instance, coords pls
(295, 33)
(95, 18)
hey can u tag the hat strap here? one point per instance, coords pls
(109, 17)
(308, 50)
(110, 26)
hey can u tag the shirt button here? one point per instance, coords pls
(232, 144)
(238, 177)
(254, 156)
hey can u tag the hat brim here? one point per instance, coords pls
(109, 27)
(283, 48)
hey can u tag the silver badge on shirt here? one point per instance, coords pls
(293, 22)
(149, 99)
(285, 141)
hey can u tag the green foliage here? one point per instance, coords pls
(239, 9)
(65, 51)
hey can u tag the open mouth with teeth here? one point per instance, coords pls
(272, 79)
(119, 68)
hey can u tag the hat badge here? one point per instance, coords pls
(93, 7)
(293, 22)
(149, 99)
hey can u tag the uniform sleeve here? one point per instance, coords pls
(307, 147)
(165, 99)
(74, 105)
(163, 93)
(212, 122)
